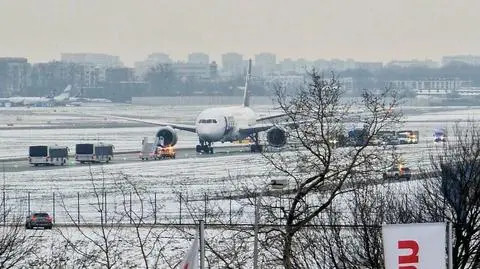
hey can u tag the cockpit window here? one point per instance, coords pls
(207, 121)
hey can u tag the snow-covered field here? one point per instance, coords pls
(191, 176)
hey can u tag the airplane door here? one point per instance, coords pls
(226, 126)
(229, 124)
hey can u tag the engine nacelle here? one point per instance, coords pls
(168, 135)
(276, 137)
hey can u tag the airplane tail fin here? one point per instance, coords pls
(246, 95)
(68, 89)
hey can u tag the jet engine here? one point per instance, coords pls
(276, 137)
(168, 135)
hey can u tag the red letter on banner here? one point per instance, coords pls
(408, 259)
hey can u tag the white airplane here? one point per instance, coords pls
(30, 100)
(79, 100)
(224, 124)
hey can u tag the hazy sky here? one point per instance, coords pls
(363, 30)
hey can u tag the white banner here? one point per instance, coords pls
(415, 246)
(190, 260)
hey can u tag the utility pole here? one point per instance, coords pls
(255, 242)
(202, 243)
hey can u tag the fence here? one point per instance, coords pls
(127, 207)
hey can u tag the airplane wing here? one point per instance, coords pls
(271, 117)
(183, 127)
(263, 127)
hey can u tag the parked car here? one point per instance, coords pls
(40, 219)
(397, 173)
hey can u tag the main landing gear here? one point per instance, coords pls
(204, 147)
(256, 147)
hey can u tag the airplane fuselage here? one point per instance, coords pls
(222, 124)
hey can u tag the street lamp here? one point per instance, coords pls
(276, 184)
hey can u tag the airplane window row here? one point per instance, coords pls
(208, 121)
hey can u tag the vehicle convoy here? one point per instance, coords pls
(94, 153)
(47, 155)
(39, 219)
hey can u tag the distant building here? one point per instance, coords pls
(213, 70)
(369, 66)
(55, 75)
(122, 74)
(97, 59)
(430, 87)
(153, 60)
(13, 75)
(413, 63)
(196, 71)
(467, 59)
(265, 64)
(198, 58)
(160, 58)
(290, 82)
(232, 64)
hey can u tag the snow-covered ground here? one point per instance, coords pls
(161, 182)
(191, 176)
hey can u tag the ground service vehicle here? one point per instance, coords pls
(408, 137)
(48, 155)
(40, 219)
(439, 135)
(397, 172)
(149, 150)
(94, 153)
(168, 152)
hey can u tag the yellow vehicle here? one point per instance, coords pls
(168, 152)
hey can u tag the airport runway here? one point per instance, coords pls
(21, 164)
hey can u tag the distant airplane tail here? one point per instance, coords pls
(68, 89)
(246, 95)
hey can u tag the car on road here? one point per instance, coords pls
(39, 219)
(397, 173)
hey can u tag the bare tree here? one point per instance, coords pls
(453, 192)
(320, 171)
(230, 247)
(349, 233)
(99, 244)
(149, 237)
(16, 245)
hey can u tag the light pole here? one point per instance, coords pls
(275, 184)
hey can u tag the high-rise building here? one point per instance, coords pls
(97, 59)
(153, 60)
(232, 64)
(198, 58)
(265, 63)
(13, 75)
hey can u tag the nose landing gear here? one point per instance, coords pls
(204, 147)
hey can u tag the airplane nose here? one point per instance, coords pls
(210, 132)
